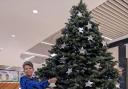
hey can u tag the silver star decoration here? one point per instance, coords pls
(52, 85)
(109, 78)
(79, 14)
(104, 43)
(89, 26)
(62, 59)
(82, 51)
(63, 46)
(88, 84)
(81, 30)
(53, 55)
(66, 27)
(90, 38)
(117, 85)
(66, 35)
(69, 71)
(98, 65)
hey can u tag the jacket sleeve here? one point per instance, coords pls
(30, 84)
(44, 83)
(22, 83)
(37, 84)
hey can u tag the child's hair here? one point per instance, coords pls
(27, 63)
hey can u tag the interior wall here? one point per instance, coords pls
(126, 50)
(114, 52)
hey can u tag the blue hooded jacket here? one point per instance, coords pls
(32, 83)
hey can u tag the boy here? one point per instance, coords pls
(29, 82)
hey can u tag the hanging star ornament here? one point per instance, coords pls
(69, 71)
(66, 35)
(89, 26)
(82, 51)
(81, 30)
(52, 85)
(90, 38)
(63, 46)
(98, 65)
(79, 14)
(118, 85)
(62, 59)
(53, 55)
(88, 84)
(104, 43)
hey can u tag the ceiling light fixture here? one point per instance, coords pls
(1, 49)
(29, 58)
(35, 54)
(106, 38)
(13, 36)
(47, 43)
(35, 11)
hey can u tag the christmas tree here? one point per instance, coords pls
(79, 59)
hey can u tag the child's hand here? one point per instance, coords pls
(52, 80)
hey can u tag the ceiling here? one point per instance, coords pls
(112, 16)
(35, 33)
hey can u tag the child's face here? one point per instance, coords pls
(28, 70)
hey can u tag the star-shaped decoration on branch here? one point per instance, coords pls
(62, 59)
(81, 30)
(98, 65)
(79, 14)
(88, 84)
(69, 71)
(90, 38)
(118, 85)
(63, 46)
(53, 55)
(82, 51)
(52, 85)
(89, 26)
(104, 43)
(66, 35)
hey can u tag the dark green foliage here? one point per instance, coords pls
(81, 52)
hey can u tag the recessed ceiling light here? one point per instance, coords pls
(1, 49)
(35, 11)
(13, 36)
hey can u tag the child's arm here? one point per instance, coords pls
(37, 84)
(28, 83)
(42, 84)
(45, 83)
